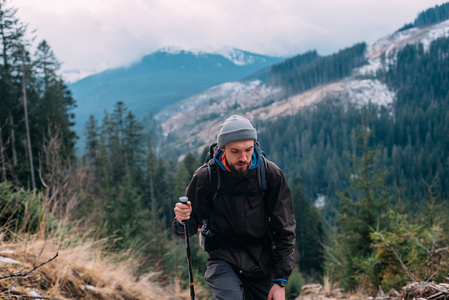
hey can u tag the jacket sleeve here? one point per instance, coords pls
(197, 193)
(283, 222)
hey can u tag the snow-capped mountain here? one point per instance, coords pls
(160, 79)
(236, 56)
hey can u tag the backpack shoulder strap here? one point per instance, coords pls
(262, 175)
(214, 181)
(210, 154)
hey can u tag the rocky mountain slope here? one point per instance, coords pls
(193, 123)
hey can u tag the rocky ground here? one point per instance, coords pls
(413, 291)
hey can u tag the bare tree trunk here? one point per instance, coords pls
(30, 152)
(13, 140)
(2, 154)
(153, 200)
(399, 190)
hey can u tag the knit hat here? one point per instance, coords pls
(235, 128)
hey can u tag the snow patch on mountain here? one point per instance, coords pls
(240, 98)
(208, 97)
(236, 56)
(364, 92)
(392, 43)
(438, 31)
(72, 76)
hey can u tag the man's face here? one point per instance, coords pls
(238, 155)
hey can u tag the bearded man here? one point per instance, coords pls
(251, 230)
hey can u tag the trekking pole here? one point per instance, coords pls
(184, 200)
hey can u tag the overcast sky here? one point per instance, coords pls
(93, 35)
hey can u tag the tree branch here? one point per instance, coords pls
(404, 267)
(38, 297)
(24, 274)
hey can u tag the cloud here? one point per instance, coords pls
(99, 34)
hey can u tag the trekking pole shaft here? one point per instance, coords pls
(189, 259)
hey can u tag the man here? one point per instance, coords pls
(251, 256)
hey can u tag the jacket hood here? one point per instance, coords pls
(254, 159)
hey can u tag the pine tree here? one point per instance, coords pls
(134, 147)
(362, 211)
(190, 163)
(92, 141)
(310, 235)
(55, 100)
(12, 32)
(130, 219)
(9, 35)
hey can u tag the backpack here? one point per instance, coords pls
(208, 240)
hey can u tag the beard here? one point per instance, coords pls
(241, 170)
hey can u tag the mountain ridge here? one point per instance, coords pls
(360, 88)
(160, 79)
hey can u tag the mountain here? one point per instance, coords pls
(162, 78)
(193, 122)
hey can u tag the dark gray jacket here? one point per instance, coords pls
(247, 217)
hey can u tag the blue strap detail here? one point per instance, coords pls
(179, 224)
(284, 280)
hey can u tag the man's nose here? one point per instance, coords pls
(243, 156)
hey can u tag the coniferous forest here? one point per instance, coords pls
(370, 184)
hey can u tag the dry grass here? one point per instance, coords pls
(81, 271)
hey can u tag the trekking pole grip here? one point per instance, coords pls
(184, 200)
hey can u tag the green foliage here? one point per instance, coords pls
(363, 208)
(295, 283)
(412, 252)
(406, 26)
(306, 71)
(181, 179)
(31, 78)
(21, 211)
(290, 65)
(433, 15)
(310, 234)
(130, 193)
(191, 164)
(430, 16)
(314, 145)
(411, 135)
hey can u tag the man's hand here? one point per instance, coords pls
(277, 292)
(183, 211)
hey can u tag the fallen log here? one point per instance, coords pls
(426, 290)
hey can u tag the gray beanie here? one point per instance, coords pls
(235, 128)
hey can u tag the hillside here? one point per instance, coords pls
(79, 271)
(199, 116)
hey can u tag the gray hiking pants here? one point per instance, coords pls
(227, 285)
